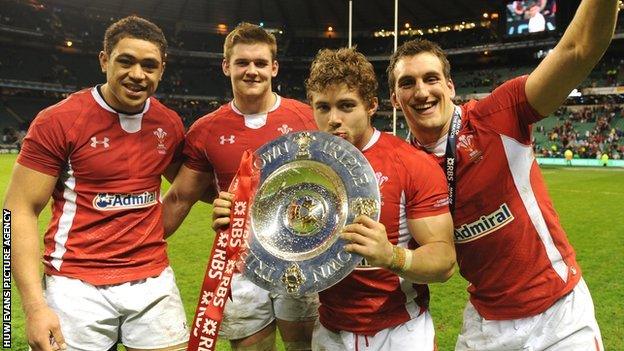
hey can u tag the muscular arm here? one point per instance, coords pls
(27, 195)
(433, 261)
(580, 48)
(188, 187)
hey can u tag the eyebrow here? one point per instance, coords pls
(131, 57)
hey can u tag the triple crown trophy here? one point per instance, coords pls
(311, 184)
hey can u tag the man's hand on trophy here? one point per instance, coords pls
(368, 238)
(221, 210)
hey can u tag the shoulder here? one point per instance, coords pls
(169, 115)
(208, 123)
(405, 154)
(504, 97)
(68, 111)
(213, 118)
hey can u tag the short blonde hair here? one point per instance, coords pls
(247, 33)
(342, 66)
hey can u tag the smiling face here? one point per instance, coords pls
(424, 94)
(250, 68)
(133, 69)
(341, 111)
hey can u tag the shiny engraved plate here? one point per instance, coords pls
(311, 185)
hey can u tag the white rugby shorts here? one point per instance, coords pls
(253, 308)
(415, 334)
(568, 325)
(143, 314)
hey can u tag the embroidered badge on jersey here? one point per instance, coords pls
(285, 129)
(161, 134)
(467, 144)
(230, 140)
(104, 142)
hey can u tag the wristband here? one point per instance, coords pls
(401, 259)
(398, 259)
(408, 260)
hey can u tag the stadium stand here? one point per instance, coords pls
(38, 67)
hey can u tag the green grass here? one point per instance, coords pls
(590, 203)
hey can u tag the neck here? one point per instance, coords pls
(365, 138)
(251, 105)
(111, 100)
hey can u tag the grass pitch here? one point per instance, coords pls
(590, 203)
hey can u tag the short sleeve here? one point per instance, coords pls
(427, 191)
(507, 110)
(45, 148)
(194, 154)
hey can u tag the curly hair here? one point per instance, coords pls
(247, 33)
(413, 48)
(134, 27)
(342, 66)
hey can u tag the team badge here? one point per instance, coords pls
(467, 143)
(104, 142)
(230, 140)
(285, 129)
(161, 134)
(381, 179)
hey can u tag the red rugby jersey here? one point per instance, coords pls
(106, 225)
(412, 186)
(510, 244)
(216, 141)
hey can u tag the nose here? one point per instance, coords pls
(136, 72)
(252, 70)
(335, 118)
(420, 90)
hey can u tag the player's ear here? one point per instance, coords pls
(103, 57)
(451, 86)
(164, 65)
(372, 107)
(394, 100)
(225, 65)
(274, 69)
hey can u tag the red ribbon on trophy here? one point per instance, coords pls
(228, 245)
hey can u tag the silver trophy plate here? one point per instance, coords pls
(311, 185)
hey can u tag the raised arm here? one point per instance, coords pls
(188, 187)
(433, 261)
(27, 194)
(579, 50)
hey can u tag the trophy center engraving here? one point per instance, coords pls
(305, 215)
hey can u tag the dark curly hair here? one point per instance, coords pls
(342, 66)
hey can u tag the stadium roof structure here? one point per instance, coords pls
(294, 15)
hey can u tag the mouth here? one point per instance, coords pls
(425, 108)
(340, 134)
(134, 89)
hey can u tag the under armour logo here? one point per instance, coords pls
(95, 142)
(223, 139)
(285, 129)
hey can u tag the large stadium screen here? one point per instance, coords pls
(530, 16)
